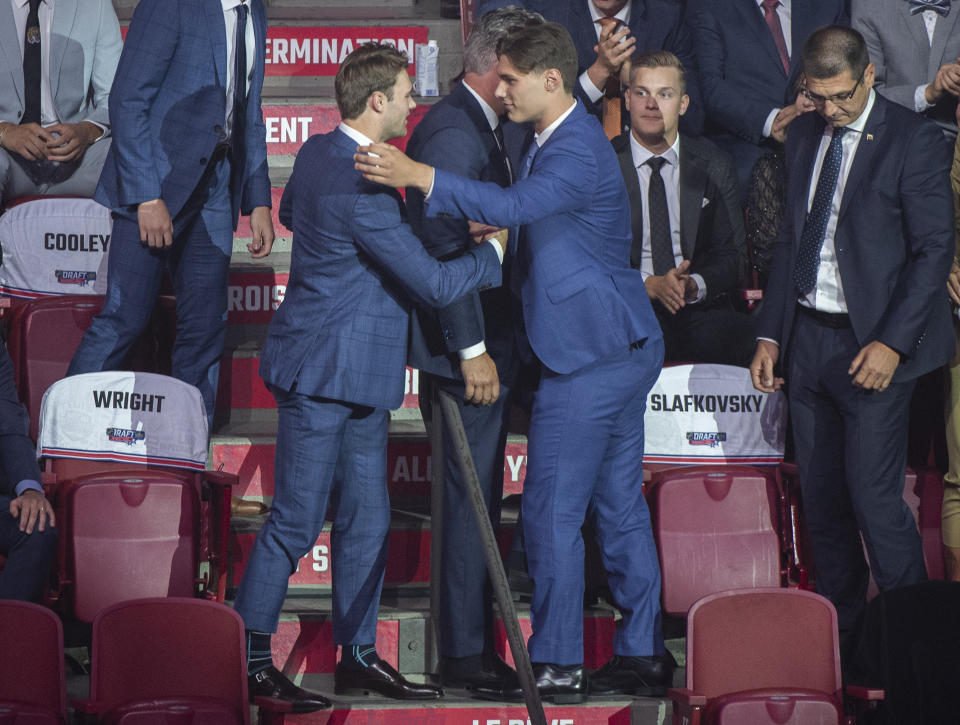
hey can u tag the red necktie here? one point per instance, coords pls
(610, 107)
(776, 30)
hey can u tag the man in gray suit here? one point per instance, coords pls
(915, 47)
(57, 60)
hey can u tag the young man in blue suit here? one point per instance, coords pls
(334, 359)
(590, 328)
(855, 310)
(189, 155)
(28, 538)
(467, 348)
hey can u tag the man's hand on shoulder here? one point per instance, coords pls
(261, 224)
(156, 227)
(33, 510)
(874, 366)
(30, 140)
(761, 367)
(480, 380)
(670, 288)
(69, 141)
(778, 131)
(388, 165)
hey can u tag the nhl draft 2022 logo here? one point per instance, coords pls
(698, 438)
(126, 435)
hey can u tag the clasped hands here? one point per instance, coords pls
(62, 142)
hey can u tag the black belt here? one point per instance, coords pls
(833, 320)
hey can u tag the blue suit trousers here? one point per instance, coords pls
(29, 557)
(199, 261)
(586, 451)
(327, 452)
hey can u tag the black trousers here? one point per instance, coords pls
(29, 557)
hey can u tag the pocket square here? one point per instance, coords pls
(705, 202)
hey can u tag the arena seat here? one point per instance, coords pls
(32, 679)
(716, 528)
(138, 513)
(763, 656)
(168, 660)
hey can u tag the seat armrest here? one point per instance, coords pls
(869, 694)
(221, 478)
(683, 696)
(85, 705)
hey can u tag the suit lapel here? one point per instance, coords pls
(693, 184)
(805, 159)
(870, 142)
(481, 125)
(916, 27)
(10, 42)
(629, 171)
(752, 17)
(64, 17)
(583, 31)
(946, 28)
(217, 30)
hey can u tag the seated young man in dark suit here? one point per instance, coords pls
(687, 231)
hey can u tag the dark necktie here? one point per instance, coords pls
(938, 6)
(661, 240)
(501, 144)
(239, 85)
(610, 103)
(517, 253)
(815, 225)
(31, 65)
(776, 30)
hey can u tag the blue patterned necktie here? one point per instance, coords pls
(938, 6)
(815, 225)
(237, 131)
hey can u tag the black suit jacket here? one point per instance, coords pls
(455, 136)
(711, 229)
(894, 237)
(18, 455)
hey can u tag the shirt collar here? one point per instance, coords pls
(229, 5)
(623, 16)
(784, 3)
(862, 118)
(354, 134)
(23, 3)
(641, 154)
(488, 111)
(542, 137)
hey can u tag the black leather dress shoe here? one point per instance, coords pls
(644, 676)
(558, 686)
(382, 678)
(273, 683)
(471, 672)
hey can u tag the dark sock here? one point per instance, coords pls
(358, 656)
(258, 652)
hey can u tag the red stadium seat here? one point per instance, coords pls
(138, 513)
(32, 680)
(764, 657)
(169, 660)
(716, 528)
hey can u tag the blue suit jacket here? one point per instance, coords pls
(581, 300)
(341, 331)
(167, 108)
(741, 75)
(455, 136)
(894, 237)
(18, 455)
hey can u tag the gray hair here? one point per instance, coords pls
(480, 50)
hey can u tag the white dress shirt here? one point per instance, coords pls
(783, 12)
(827, 295)
(920, 94)
(230, 20)
(594, 93)
(670, 173)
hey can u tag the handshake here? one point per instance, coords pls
(385, 164)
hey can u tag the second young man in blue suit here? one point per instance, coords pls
(590, 327)
(189, 155)
(334, 360)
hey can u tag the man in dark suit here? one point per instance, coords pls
(687, 226)
(857, 309)
(189, 155)
(28, 538)
(467, 348)
(334, 359)
(748, 53)
(589, 327)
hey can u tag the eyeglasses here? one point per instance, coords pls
(837, 99)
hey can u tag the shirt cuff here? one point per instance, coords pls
(769, 339)
(920, 99)
(593, 93)
(27, 484)
(768, 124)
(426, 197)
(473, 351)
(496, 246)
(701, 289)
